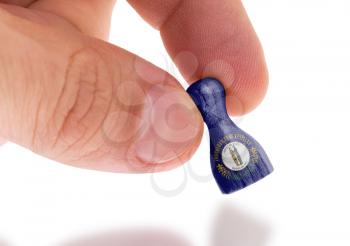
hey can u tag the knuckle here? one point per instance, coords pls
(83, 103)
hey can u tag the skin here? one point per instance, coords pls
(69, 95)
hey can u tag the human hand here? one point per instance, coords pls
(67, 94)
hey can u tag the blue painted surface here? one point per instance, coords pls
(209, 96)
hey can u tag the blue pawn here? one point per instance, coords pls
(237, 160)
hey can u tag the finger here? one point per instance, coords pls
(212, 38)
(87, 103)
(92, 17)
(23, 3)
(78, 12)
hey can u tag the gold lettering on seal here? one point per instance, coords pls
(254, 155)
(224, 171)
(218, 147)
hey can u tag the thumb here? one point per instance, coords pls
(2, 141)
(84, 102)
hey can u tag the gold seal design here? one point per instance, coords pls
(233, 153)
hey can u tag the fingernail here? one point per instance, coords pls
(175, 125)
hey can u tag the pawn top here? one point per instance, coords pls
(210, 97)
(207, 86)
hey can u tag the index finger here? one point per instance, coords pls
(212, 39)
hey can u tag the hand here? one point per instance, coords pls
(67, 94)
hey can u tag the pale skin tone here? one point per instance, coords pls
(69, 95)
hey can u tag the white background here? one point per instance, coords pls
(303, 124)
